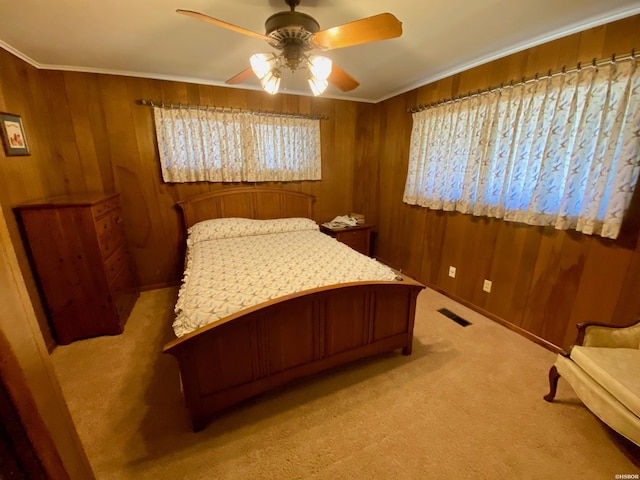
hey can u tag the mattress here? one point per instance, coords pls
(233, 264)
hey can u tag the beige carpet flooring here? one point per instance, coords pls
(466, 405)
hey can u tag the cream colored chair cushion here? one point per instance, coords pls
(617, 370)
(599, 336)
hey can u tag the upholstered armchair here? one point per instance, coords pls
(603, 368)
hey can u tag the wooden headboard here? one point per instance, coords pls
(260, 203)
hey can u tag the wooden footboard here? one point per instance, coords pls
(273, 343)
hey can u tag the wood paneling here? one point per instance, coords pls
(36, 176)
(544, 281)
(365, 177)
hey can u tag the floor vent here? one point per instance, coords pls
(456, 318)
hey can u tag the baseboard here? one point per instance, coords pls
(505, 323)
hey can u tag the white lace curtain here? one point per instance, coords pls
(234, 146)
(561, 151)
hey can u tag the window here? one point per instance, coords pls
(561, 151)
(235, 146)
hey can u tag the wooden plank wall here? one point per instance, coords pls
(25, 178)
(544, 280)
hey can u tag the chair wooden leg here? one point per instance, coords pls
(554, 376)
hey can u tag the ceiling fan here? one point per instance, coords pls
(294, 34)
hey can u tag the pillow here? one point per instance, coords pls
(241, 227)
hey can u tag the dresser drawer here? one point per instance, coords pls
(358, 238)
(110, 222)
(115, 263)
(110, 232)
(104, 207)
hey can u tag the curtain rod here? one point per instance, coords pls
(594, 64)
(214, 108)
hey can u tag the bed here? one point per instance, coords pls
(298, 334)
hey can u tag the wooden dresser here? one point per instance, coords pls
(358, 237)
(82, 264)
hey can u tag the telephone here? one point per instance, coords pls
(342, 221)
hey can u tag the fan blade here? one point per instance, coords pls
(241, 77)
(370, 29)
(220, 23)
(342, 79)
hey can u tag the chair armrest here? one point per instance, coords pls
(592, 334)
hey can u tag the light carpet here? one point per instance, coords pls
(467, 404)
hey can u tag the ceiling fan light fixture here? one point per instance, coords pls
(262, 64)
(320, 67)
(317, 85)
(271, 81)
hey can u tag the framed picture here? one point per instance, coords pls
(13, 137)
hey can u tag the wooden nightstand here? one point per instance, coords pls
(358, 237)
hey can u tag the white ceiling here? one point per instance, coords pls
(146, 38)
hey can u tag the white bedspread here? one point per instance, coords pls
(226, 275)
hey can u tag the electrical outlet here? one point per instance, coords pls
(452, 272)
(487, 286)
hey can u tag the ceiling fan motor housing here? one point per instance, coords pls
(291, 32)
(282, 27)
